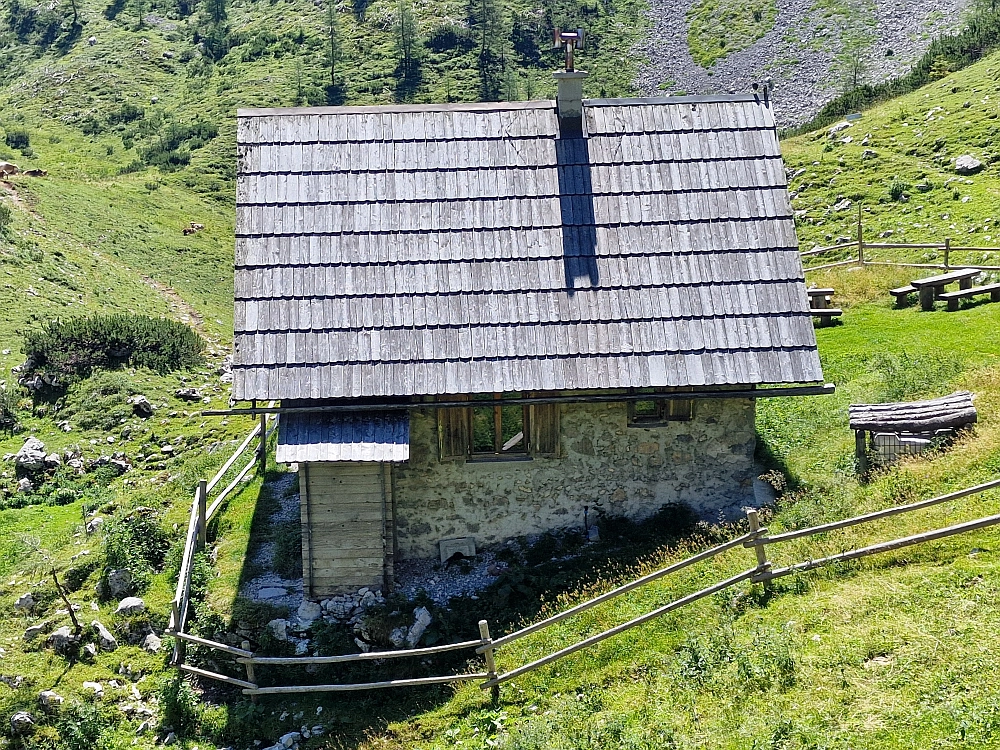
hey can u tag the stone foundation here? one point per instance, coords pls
(604, 465)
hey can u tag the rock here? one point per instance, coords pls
(302, 647)
(3, 653)
(188, 394)
(141, 406)
(152, 643)
(842, 205)
(271, 592)
(362, 646)
(21, 723)
(108, 642)
(279, 629)
(167, 449)
(120, 582)
(840, 126)
(53, 461)
(287, 740)
(62, 640)
(170, 739)
(96, 687)
(398, 637)
(36, 630)
(50, 700)
(92, 41)
(24, 602)
(964, 164)
(31, 457)
(869, 154)
(94, 524)
(422, 618)
(90, 651)
(368, 599)
(130, 605)
(143, 728)
(65, 426)
(25, 485)
(308, 611)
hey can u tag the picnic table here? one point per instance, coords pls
(932, 287)
(820, 305)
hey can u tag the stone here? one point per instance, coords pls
(869, 154)
(840, 126)
(188, 394)
(96, 687)
(24, 602)
(53, 461)
(35, 630)
(90, 651)
(50, 700)
(141, 406)
(398, 637)
(279, 629)
(967, 164)
(170, 739)
(25, 485)
(130, 605)
(152, 643)
(308, 611)
(94, 524)
(167, 449)
(842, 205)
(119, 582)
(31, 457)
(62, 639)
(422, 618)
(271, 592)
(302, 647)
(362, 646)
(143, 728)
(21, 723)
(108, 642)
(287, 740)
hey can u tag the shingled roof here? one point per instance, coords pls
(414, 250)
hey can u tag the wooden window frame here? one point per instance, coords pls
(540, 423)
(668, 410)
(498, 454)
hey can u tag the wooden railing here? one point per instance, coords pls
(757, 538)
(196, 539)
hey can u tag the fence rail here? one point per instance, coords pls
(756, 538)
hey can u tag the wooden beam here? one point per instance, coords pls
(365, 685)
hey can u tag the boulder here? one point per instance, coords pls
(94, 524)
(50, 700)
(188, 394)
(130, 605)
(152, 643)
(308, 611)
(90, 651)
(842, 205)
(24, 602)
(170, 739)
(62, 640)
(290, 739)
(967, 164)
(21, 723)
(36, 630)
(96, 687)
(422, 618)
(141, 406)
(25, 485)
(53, 461)
(31, 457)
(869, 154)
(120, 582)
(108, 642)
(279, 629)
(840, 126)
(398, 637)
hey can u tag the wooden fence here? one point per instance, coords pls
(757, 538)
(860, 245)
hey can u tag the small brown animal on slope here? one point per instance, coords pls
(193, 227)
(36, 173)
(7, 169)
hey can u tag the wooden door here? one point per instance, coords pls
(346, 527)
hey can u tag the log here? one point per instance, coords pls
(948, 412)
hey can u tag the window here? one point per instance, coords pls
(490, 428)
(660, 411)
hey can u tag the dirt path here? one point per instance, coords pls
(180, 307)
(11, 190)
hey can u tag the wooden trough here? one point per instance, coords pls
(909, 421)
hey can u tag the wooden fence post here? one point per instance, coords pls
(491, 666)
(202, 508)
(947, 253)
(262, 455)
(762, 563)
(245, 645)
(178, 656)
(861, 451)
(861, 239)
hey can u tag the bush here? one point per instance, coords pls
(66, 351)
(898, 189)
(8, 409)
(82, 725)
(173, 148)
(135, 542)
(181, 706)
(126, 113)
(17, 138)
(6, 217)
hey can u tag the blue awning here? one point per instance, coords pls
(344, 436)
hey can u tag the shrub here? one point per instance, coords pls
(17, 138)
(126, 113)
(135, 542)
(69, 350)
(82, 725)
(898, 189)
(173, 148)
(8, 409)
(181, 706)
(6, 217)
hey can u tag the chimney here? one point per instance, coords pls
(569, 102)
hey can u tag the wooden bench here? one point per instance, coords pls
(902, 294)
(820, 300)
(932, 287)
(952, 298)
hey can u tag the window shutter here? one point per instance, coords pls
(453, 431)
(543, 421)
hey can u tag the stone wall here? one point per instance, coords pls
(604, 465)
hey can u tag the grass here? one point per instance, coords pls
(717, 28)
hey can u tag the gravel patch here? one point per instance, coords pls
(798, 53)
(442, 583)
(270, 587)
